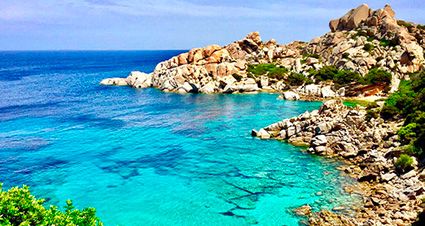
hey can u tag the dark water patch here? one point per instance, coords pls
(25, 107)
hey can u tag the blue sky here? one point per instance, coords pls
(170, 24)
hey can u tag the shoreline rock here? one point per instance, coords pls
(368, 148)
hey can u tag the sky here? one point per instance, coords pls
(171, 24)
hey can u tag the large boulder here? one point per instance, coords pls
(351, 20)
(139, 79)
(114, 82)
(289, 95)
(327, 92)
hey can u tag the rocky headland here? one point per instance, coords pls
(370, 148)
(366, 53)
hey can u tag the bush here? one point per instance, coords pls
(343, 77)
(404, 23)
(371, 113)
(368, 47)
(270, 70)
(19, 207)
(324, 73)
(372, 105)
(407, 133)
(297, 79)
(376, 76)
(404, 162)
(385, 42)
(389, 112)
(420, 26)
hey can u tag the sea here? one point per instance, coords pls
(145, 157)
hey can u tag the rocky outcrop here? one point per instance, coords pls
(289, 95)
(360, 40)
(135, 79)
(370, 149)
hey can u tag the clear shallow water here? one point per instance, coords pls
(143, 157)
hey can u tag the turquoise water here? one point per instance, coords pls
(143, 157)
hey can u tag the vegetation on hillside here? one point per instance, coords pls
(274, 71)
(19, 207)
(409, 103)
(326, 73)
(344, 77)
(269, 70)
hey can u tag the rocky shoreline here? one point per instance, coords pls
(369, 149)
(360, 42)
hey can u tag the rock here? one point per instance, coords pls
(263, 134)
(388, 176)
(189, 88)
(368, 177)
(303, 210)
(289, 95)
(333, 25)
(409, 174)
(350, 20)
(312, 89)
(264, 81)
(208, 88)
(327, 92)
(319, 140)
(340, 92)
(290, 131)
(139, 79)
(114, 82)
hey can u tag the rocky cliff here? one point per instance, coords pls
(360, 40)
(370, 148)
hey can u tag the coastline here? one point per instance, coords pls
(385, 192)
(362, 59)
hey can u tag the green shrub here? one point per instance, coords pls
(325, 73)
(371, 113)
(403, 98)
(19, 207)
(343, 77)
(385, 42)
(372, 105)
(377, 76)
(420, 26)
(389, 112)
(297, 79)
(404, 23)
(270, 70)
(407, 133)
(368, 47)
(404, 162)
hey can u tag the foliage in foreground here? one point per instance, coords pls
(19, 207)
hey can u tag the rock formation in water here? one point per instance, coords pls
(359, 41)
(371, 148)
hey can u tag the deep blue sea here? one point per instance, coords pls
(144, 157)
